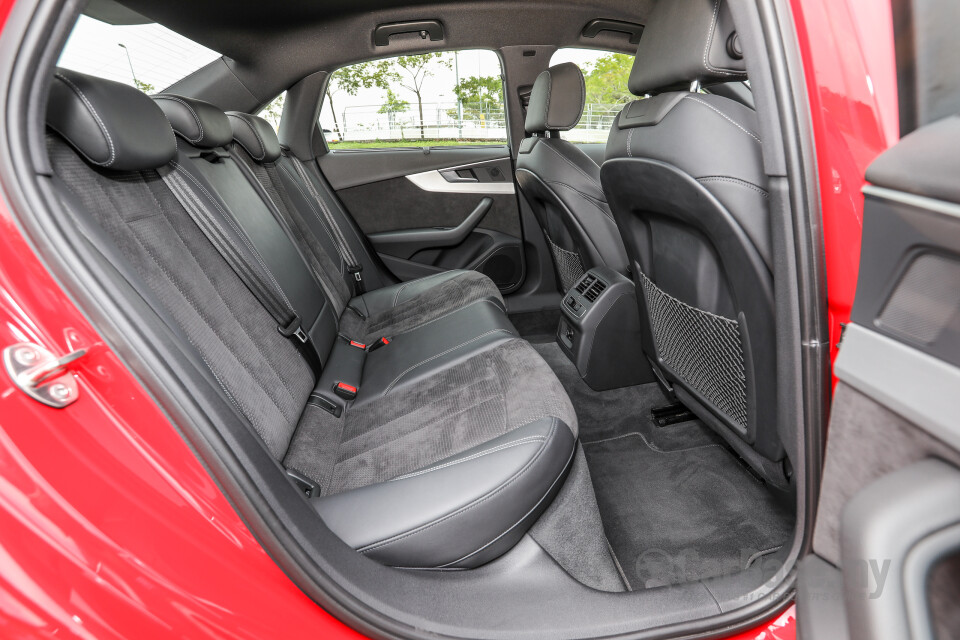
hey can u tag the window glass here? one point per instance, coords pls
(441, 98)
(274, 109)
(147, 56)
(605, 75)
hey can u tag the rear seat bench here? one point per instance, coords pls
(439, 448)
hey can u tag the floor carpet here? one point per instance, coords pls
(677, 505)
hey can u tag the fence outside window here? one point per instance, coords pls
(469, 122)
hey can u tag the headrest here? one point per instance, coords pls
(111, 124)
(255, 135)
(683, 41)
(198, 122)
(556, 101)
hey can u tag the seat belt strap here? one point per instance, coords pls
(343, 248)
(260, 283)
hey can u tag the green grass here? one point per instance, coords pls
(414, 142)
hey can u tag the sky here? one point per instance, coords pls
(158, 55)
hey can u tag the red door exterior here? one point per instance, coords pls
(111, 528)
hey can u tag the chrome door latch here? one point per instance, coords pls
(41, 375)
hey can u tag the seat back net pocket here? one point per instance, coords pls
(569, 266)
(703, 349)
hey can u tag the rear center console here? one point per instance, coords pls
(600, 331)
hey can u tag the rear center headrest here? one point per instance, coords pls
(111, 124)
(684, 41)
(255, 135)
(199, 123)
(556, 100)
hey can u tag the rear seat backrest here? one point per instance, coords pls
(126, 135)
(259, 150)
(203, 159)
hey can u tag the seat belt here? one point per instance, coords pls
(267, 293)
(346, 253)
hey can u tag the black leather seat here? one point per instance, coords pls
(562, 183)
(456, 434)
(684, 177)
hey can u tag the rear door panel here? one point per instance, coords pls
(396, 195)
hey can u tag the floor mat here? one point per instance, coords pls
(676, 504)
(682, 515)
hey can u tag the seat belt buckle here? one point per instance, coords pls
(356, 270)
(345, 391)
(382, 342)
(294, 330)
(358, 345)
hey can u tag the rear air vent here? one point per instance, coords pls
(595, 290)
(585, 283)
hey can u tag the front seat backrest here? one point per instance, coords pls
(562, 183)
(684, 178)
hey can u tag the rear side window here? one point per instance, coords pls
(445, 98)
(147, 56)
(605, 75)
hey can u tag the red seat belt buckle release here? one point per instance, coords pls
(382, 342)
(358, 345)
(345, 391)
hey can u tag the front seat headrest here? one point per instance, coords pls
(200, 123)
(686, 41)
(556, 101)
(112, 125)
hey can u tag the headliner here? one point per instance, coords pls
(272, 45)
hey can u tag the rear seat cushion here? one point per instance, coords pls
(500, 416)
(402, 307)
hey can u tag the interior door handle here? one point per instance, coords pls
(452, 175)
(406, 242)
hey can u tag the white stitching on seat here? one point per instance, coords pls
(572, 164)
(96, 116)
(465, 508)
(396, 299)
(193, 113)
(736, 181)
(706, 48)
(263, 148)
(480, 454)
(442, 353)
(582, 195)
(725, 117)
(524, 516)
